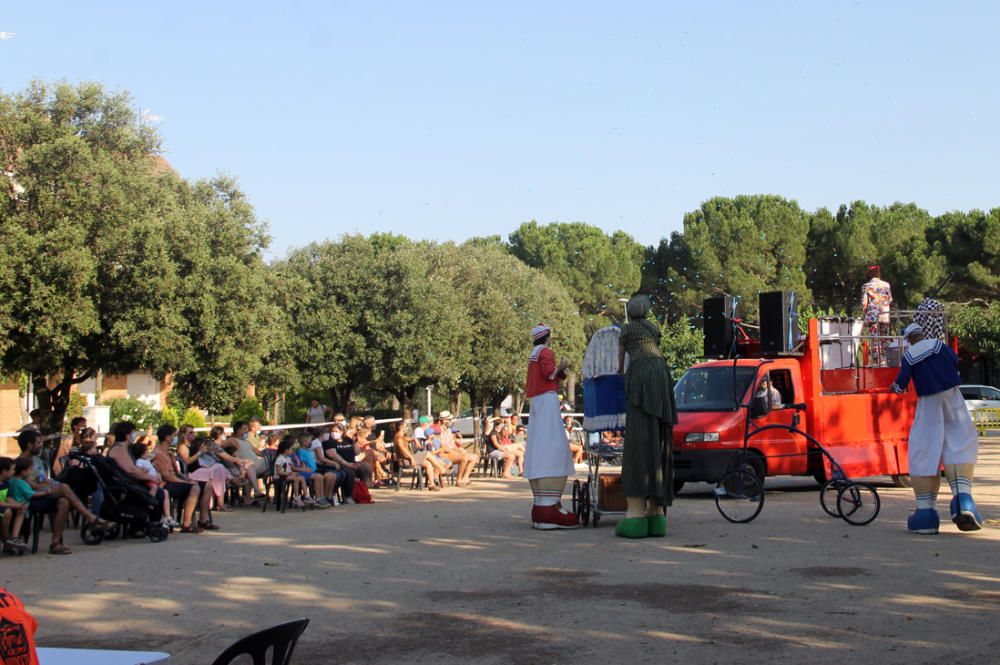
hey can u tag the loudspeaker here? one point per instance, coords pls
(718, 326)
(778, 322)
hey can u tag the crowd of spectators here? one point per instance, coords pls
(188, 475)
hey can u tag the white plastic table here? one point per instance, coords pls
(57, 656)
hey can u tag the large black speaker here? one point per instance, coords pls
(778, 322)
(718, 326)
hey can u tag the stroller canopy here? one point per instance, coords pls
(603, 386)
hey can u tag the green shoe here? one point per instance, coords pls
(657, 525)
(632, 527)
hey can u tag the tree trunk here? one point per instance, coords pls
(403, 398)
(456, 401)
(53, 401)
(477, 416)
(571, 388)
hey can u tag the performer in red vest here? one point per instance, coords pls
(547, 459)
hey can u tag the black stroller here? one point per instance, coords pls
(127, 503)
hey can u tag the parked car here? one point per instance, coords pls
(980, 397)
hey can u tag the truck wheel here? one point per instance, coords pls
(902, 480)
(754, 464)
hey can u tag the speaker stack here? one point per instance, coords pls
(778, 322)
(718, 326)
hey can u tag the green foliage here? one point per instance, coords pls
(681, 344)
(193, 417)
(595, 268)
(977, 326)
(75, 408)
(142, 415)
(249, 408)
(969, 244)
(169, 416)
(807, 312)
(740, 246)
(109, 261)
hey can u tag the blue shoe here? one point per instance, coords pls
(964, 513)
(924, 521)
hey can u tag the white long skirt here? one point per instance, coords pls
(547, 453)
(942, 433)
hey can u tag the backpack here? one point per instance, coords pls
(360, 493)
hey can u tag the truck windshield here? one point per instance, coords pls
(711, 388)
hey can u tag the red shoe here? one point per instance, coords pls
(553, 517)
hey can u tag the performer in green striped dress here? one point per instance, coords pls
(647, 468)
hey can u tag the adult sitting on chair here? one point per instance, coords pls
(32, 484)
(192, 493)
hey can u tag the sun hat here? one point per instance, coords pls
(912, 329)
(445, 415)
(423, 420)
(539, 331)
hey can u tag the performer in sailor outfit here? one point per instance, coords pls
(942, 432)
(547, 459)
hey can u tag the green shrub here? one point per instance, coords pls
(137, 412)
(193, 418)
(169, 416)
(74, 409)
(248, 408)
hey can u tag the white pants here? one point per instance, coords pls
(546, 453)
(942, 433)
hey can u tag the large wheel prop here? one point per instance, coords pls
(739, 496)
(856, 503)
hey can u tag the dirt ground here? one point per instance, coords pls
(460, 577)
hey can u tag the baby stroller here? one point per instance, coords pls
(127, 503)
(603, 411)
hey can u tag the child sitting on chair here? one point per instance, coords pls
(285, 469)
(12, 511)
(142, 455)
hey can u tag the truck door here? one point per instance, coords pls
(784, 452)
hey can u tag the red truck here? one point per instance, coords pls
(823, 387)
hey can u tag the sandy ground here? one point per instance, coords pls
(459, 577)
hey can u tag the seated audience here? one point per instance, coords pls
(180, 488)
(32, 484)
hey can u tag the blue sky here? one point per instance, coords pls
(446, 120)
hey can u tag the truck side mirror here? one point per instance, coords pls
(759, 406)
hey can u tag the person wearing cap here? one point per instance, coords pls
(942, 433)
(876, 298)
(647, 464)
(547, 460)
(453, 452)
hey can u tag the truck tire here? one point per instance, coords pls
(755, 463)
(902, 480)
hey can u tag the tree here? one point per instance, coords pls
(595, 268)
(503, 299)
(100, 245)
(739, 246)
(969, 245)
(224, 296)
(841, 248)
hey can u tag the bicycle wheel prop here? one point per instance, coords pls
(858, 503)
(828, 495)
(739, 496)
